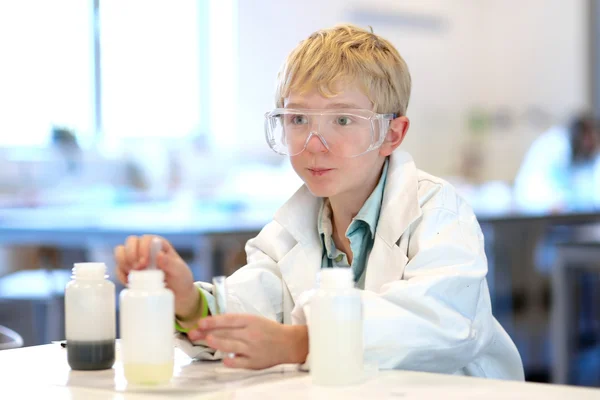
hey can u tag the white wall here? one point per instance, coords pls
(537, 56)
(463, 54)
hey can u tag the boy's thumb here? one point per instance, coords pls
(164, 262)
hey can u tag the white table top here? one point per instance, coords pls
(43, 371)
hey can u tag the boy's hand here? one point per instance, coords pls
(257, 342)
(135, 255)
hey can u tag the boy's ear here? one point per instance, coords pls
(395, 136)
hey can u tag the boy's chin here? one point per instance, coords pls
(320, 191)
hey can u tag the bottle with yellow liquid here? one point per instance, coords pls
(146, 322)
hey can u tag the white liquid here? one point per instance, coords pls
(336, 339)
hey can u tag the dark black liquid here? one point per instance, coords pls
(91, 355)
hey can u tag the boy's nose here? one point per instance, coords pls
(316, 144)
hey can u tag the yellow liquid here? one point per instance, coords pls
(148, 374)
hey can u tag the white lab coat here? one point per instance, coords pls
(426, 300)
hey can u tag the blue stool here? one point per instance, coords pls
(9, 339)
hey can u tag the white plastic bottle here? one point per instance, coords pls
(336, 330)
(90, 318)
(147, 312)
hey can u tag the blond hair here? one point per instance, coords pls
(347, 54)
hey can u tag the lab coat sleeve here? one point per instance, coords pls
(438, 317)
(256, 288)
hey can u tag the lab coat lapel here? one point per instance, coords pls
(299, 267)
(386, 264)
(399, 208)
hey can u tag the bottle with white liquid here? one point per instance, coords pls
(336, 330)
(147, 312)
(90, 318)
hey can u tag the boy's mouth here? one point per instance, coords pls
(319, 171)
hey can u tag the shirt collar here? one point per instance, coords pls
(369, 212)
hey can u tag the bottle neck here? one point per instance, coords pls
(147, 280)
(89, 271)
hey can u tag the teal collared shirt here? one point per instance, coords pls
(360, 233)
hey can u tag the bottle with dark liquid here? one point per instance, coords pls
(90, 318)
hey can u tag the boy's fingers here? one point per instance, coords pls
(121, 259)
(197, 334)
(131, 250)
(121, 276)
(167, 264)
(146, 245)
(226, 345)
(162, 262)
(144, 250)
(120, 255)
(227, 321)
(238, 361)
(167, 247)
(241, 335)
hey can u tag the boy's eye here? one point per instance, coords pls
(298, 119)
(343, 120)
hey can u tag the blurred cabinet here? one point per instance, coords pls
(576, 315)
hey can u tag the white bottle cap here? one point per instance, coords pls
(336, 278)
(90, 270)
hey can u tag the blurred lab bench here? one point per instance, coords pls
(201, 231)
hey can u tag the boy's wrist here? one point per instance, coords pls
(298, 335)
(190, 310)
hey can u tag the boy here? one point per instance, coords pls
(415, 248)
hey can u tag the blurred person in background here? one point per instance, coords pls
(561, 170)
(65, 143)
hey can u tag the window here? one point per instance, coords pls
(146, 69)
(150, 68)
(46, 78)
